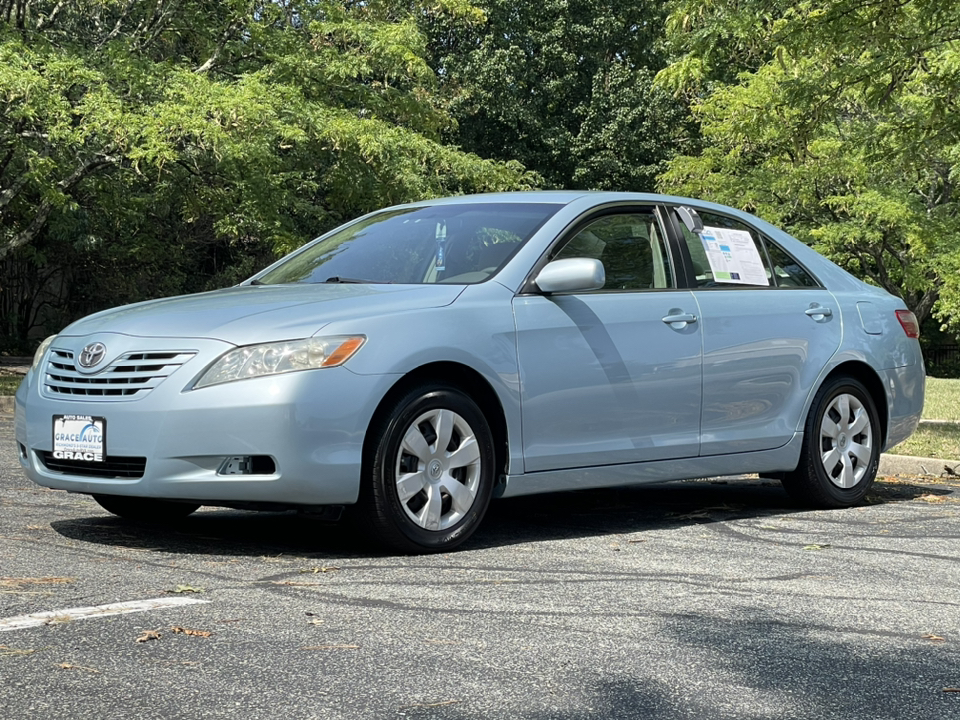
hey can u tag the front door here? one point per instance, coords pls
(613, 375)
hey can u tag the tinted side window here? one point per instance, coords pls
(631, 248)
(787, 271)
(727, 253)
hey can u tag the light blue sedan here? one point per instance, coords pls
(424, 359)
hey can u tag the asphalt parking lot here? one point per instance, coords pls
(712, 599)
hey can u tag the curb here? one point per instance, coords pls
(909, 465)
(940, 423)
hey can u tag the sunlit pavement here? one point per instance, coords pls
(715, 599)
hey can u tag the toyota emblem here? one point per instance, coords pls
(92, 354)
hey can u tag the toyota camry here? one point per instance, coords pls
(424, 359)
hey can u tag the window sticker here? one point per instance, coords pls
(733, 256)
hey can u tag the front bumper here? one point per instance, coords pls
(311, 423)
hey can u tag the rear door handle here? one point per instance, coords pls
(679, 321)
(818, 311)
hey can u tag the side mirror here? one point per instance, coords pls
(570, 275)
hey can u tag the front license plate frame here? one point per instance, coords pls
(80, 437)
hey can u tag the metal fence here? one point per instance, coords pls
(941, 355)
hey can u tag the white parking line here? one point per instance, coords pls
(51, 617)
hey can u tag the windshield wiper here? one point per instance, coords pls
(336, 279)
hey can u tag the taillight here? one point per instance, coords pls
(908, 321)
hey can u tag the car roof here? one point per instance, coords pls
(564, 197)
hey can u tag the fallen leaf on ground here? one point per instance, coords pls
(186, 589)
(322, 569)
(934, 638)
(815, 547)
(149, 635)
(5, 650)
(951, 689)
(892, 480)
(699, 515)
(187, 631)
(933, 499)
(14, 582)
(330, 647)
(71, 666)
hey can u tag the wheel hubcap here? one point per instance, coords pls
(438, 469)
(846, 441)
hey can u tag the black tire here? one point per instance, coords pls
(145, 509)
(394, 521)
(839, 459)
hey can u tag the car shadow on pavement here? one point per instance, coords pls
(534, 518)
(622, 511)
(765, 665)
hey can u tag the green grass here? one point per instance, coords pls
(9, 384)
(942, 400)
(935, 442)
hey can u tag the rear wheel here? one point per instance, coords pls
(430, 471)
(145, 509)
(841, 447)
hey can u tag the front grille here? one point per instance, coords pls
(111, 467)
(129, 377)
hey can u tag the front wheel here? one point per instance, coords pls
(841, 447)
(430, 471)
(145, 509)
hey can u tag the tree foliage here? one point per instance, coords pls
(837, 119)
(563, 86)
(158, 146)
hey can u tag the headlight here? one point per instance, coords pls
(41, 351)
(282, 357)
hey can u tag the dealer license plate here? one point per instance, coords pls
(79, 437)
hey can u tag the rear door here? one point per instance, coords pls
(768, 330)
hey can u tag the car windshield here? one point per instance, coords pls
(461, 244)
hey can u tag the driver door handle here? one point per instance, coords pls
(679, 320)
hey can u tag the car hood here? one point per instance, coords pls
(261, 313)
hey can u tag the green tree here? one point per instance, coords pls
(157, 146)
(563, 86)
(836, 119)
